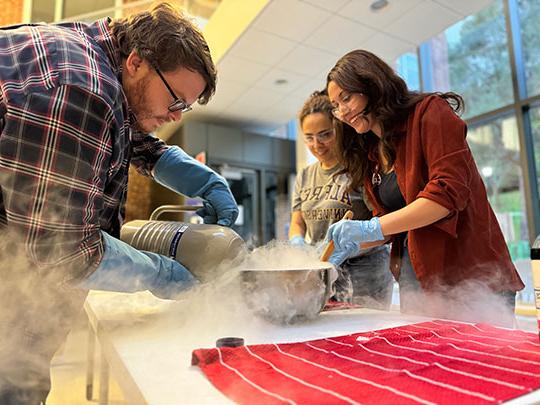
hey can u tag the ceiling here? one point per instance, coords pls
(287, 50)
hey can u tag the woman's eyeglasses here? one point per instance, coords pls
(343, 108)
(322, 137)
(178, 104)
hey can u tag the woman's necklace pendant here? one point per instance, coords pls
(376, 179)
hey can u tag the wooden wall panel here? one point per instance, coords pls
(12, 11)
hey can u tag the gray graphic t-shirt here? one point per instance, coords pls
(322, 198)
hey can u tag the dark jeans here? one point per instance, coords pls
(470, 301)
(370, 281)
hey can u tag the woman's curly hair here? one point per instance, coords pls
(389, 102)
(318, 102)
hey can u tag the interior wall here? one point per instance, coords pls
(223, 145)
(12, 11)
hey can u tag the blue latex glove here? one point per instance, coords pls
(126, 269)
(178, 171)
(348, 235)
(297, 240)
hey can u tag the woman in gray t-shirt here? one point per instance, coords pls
(321, 198)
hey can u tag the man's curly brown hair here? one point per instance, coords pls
(168, 40)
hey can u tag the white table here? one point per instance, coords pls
(148, 347)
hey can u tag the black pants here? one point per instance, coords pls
(366, 280)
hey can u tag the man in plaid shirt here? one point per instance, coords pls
(78, 103)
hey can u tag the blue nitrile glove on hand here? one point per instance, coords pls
(126, 269)
(297, 240)
(178, 171)
(348, 235)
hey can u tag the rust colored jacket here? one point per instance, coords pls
(433, 161)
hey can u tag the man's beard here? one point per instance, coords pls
(138, 104)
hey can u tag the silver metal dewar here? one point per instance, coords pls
(201, 248)
(159, 237)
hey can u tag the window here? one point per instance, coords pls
(495, 147)
(407, 67)
(535, 127)
(529, 15)
(471, 58)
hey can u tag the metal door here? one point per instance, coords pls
(245, 185)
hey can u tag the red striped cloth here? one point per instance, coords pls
(432, 362)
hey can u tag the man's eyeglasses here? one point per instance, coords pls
(322, 137)
(178, 104)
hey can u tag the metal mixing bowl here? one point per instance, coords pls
(290, 295)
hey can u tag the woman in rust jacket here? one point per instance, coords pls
(409, 151)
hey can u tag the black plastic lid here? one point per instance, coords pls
(230, 342)
(535, 253)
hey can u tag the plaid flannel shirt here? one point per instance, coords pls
(66, 142)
